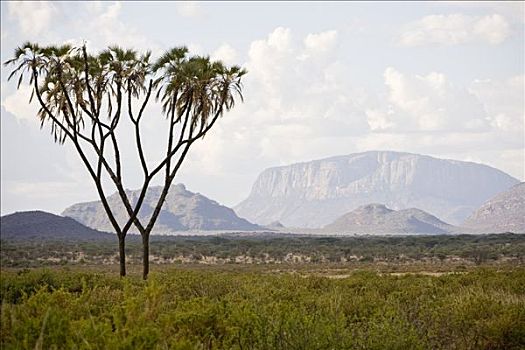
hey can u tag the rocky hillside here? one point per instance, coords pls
(504, 212)
(378, 219)
(314, 194)
(45, 226)
(182, 211)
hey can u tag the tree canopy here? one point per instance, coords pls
(83, 97)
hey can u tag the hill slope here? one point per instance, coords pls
(378, 219)
(315, 193)
(504, 212)
(43, 225)
(182, 211)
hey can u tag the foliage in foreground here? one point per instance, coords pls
(214, 309)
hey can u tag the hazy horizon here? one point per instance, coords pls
(325, 79)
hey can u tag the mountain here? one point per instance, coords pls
(183, 210)
(42, 225)
(315, 193)
(504, 212)
(378, 219)
(275, 225)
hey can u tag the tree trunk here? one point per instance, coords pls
(145, 256)
(122, 255)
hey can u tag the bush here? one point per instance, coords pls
(210, 309)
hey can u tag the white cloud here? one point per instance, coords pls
(429, 114)
(494, 29)
(380, 120)
(280, 40)
(102, 26)
(455, 29)
(195, 49)
(112, 12)
(18, 104)
(32, 16)
(324, 41)
(296, 87)
(189, 9)
(514, 10)
(426, 103)
(503, 101)
(99, 23)
(298, 106)
(301, 106)
(225, 53)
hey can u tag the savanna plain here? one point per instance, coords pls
(266, 292)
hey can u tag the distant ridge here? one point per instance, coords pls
(313, 194)
(504, 212)
(183, 210)
(42, 225)
(378, 219)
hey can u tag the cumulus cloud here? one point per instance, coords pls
(455, 29)
(298, 106)
(225, 53)
(324, 41)
(189, 9)
(297, 87)
(102, 25)
(32, 16)
(503, 101)
(514, 10)
(482, 121)
(18, 104)
(97, 22)
(301, 106)
(426, 103)
(380, 120)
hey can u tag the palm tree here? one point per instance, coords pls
(194, 92)
(73, 90)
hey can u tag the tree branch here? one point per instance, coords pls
(137, 127)
(80, 151)
(88, 85)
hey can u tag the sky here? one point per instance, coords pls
(444, 79)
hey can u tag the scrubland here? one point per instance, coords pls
(382, 301)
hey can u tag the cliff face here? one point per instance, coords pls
(504, 212)
(183, 210)
(315, 193)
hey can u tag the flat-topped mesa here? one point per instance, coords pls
(183, 210)
(313, 194)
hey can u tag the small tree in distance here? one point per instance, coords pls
(84, 97)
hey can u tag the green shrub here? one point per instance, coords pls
(210, 309)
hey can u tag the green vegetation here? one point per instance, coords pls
(270, 292)
(214, 308)
(271, 249)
